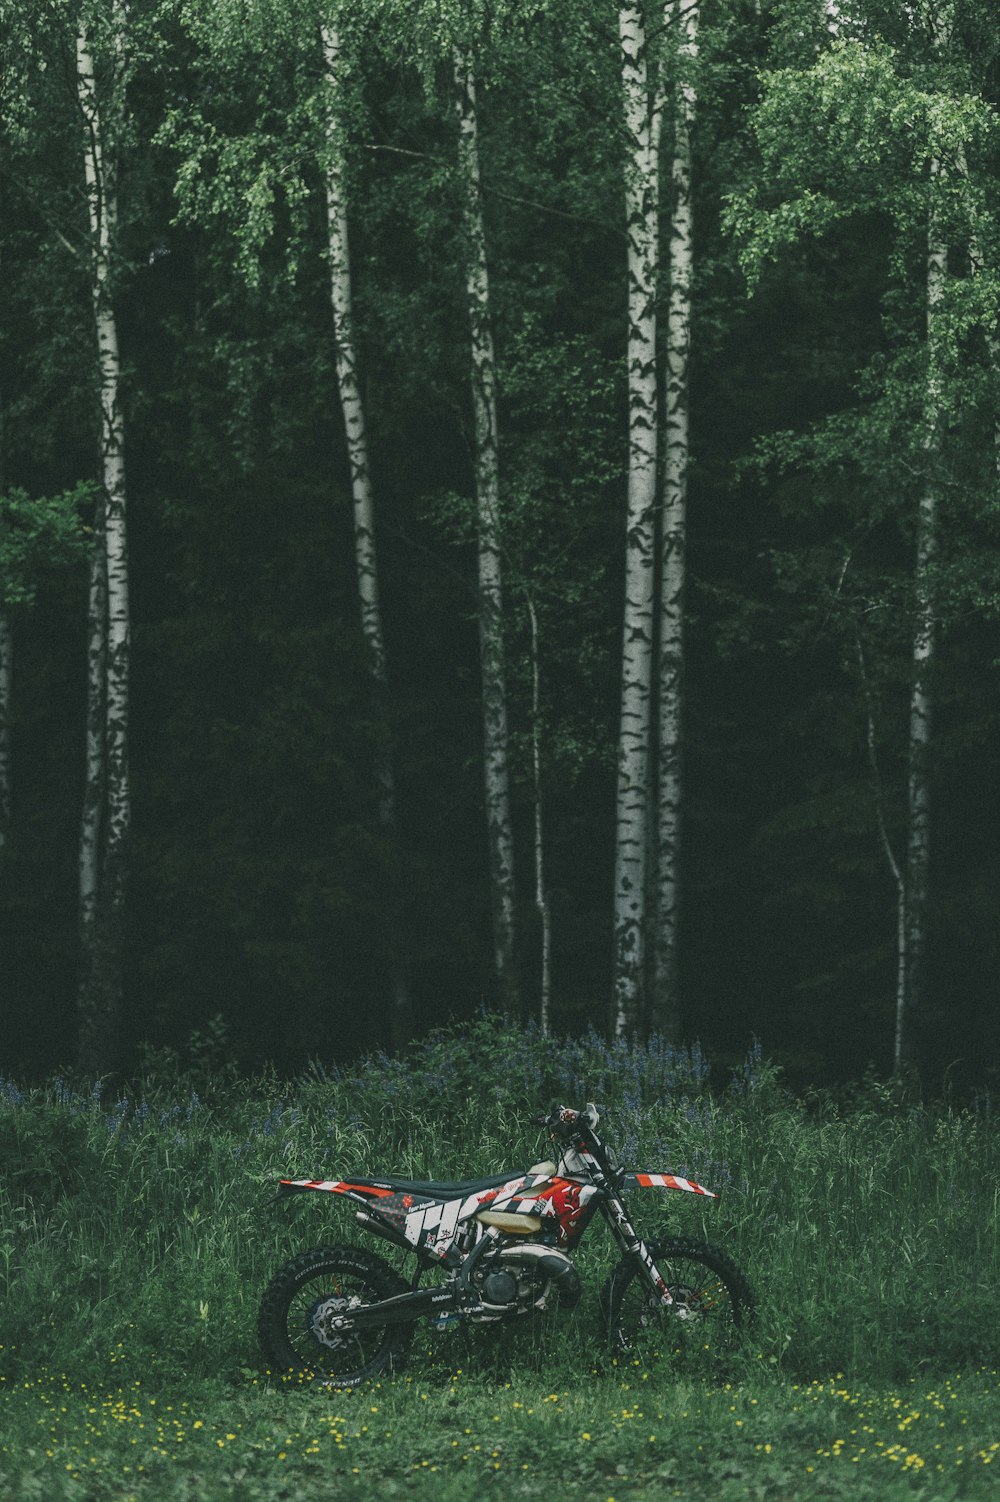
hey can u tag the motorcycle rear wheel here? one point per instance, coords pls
(305, 1294)
(712, 1307)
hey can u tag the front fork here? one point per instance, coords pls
(632, 1243)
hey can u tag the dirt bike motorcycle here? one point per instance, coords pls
(501, 1249)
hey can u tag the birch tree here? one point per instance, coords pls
(56, 159)
(542, 901)
(682, 20)
(915, 136)
(107, 804)
(238, 181)
(910, 994)
(642, 123)
(486, 463)
(362, 493)
(455, 36)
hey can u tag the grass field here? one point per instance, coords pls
(433, 1435)
(137, 1232)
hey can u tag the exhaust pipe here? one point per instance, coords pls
(379, 1228)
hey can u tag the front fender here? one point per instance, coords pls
(641, 1179)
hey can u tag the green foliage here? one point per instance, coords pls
(252, 148)
(38, 535)
(237, 182)
(428, 31)
(876, 130)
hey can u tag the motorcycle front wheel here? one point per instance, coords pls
(303, 1299)
(712, 1304)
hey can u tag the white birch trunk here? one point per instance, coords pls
(665, 1008)
(362, 495)
(491, 643)
(100, 1000)
(918, 844)
(632, 802)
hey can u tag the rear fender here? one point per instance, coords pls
(641, 1179)
(363, 1194)
(418, 1223)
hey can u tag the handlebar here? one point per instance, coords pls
(562, 1119)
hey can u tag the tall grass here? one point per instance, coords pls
(138, 1231)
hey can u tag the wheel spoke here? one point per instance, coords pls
(308, 1325)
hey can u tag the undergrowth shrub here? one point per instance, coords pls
(46, 1150)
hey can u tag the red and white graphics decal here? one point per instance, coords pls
(336, 1186)
(566, 1200)
(572, 1203)
(669, 1181)
(431, 1224)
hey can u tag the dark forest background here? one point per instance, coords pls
(260, 877)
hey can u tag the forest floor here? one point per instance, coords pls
(434, 1435)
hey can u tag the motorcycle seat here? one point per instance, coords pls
(435, 1189)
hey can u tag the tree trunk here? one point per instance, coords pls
(898, 874)
(541, 888)
(918, 843)
(665, 1012)
(100, 1001)
(491, 643)
(366, 559)
(631, 825)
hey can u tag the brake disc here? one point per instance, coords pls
(320, 1316)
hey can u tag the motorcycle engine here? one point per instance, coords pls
(500, 1288)
(523, 1278)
